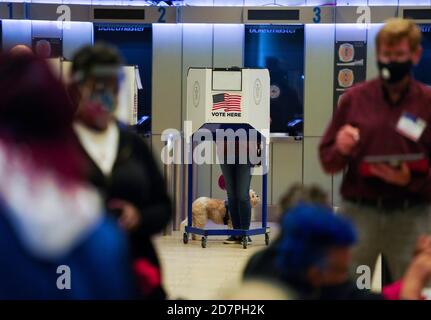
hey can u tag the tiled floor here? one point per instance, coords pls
(192, 272)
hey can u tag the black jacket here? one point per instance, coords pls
(262, 265)
(136, 178)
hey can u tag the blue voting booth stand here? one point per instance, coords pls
(209, 90)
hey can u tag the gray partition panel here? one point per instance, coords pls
(228, 45)
(197, 52)
(166, 77)
(4, 11)
(313, 173)
(216, 191)
(203, 187)
(211, 14)
(286, 167)
(75, 36)
(371, 53)
(319, 61)
(157, 147)
(336, 197)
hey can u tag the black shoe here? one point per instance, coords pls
(249, 239)
(232, 240)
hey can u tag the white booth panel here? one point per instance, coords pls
(236, 97)
(127, 109)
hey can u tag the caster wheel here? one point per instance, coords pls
(185, 237)
(244, 242)
(267, 239)
(204, 242)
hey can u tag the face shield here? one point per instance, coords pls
(101, 86)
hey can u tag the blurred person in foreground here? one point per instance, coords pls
(20, 49)
(261, 264)
(320, 283)
(49, 217)
(314, 254)
(259, 289)
(417, 276)
(312, 257)
(380, 137)
(121, 165)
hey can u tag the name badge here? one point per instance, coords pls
(411, 126)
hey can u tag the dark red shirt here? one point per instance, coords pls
(366, 107)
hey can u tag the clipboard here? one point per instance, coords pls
(417, 163)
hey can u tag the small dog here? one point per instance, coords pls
(205, 208)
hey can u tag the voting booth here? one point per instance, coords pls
(229, 98)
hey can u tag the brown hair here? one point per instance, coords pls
(299, 193)
(396, 29)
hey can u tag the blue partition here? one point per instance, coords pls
(281, 50)
(422, 71)
(135, 44)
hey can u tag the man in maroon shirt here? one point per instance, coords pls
(381, 137)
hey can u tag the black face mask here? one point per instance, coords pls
(394, 72)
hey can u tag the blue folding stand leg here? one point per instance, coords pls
(189, 229)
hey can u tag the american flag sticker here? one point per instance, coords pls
(227, 102)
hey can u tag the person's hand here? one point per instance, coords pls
(417, 276)
(347, 138)
(400, 177)
(129, 218)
